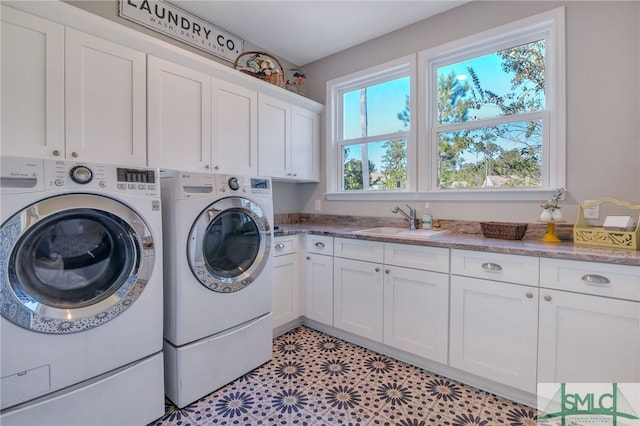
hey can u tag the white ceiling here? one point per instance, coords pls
(302, 31)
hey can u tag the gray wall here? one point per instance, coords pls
(603, 100)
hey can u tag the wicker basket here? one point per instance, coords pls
(504, 230)
(276, 77)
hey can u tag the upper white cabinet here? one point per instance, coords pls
(234, 128)
(494, 317)
(68, 94)
(305, 144)
(200, 123)
(32, 85)
(288, 140)
(589, 327)
(106, 109)
(179, 116)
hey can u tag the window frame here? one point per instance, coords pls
(402, 67)
(548, 25)
(421, 150)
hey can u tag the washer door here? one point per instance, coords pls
(73, 262)
(229, 244)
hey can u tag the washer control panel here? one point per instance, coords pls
(126, 180)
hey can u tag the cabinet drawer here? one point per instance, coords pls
(320, 244)
(495, 266)
(600, 279)
(419, 257)
(368, 251)
(285, 245)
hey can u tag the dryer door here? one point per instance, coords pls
(229, 244)
(73, 262)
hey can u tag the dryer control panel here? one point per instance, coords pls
(230, 184)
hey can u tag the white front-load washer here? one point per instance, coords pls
(218, 280)
(80, 293)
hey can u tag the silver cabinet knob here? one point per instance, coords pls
(386, 271)
(529, 295)
(308, 257)
(377, 269)
(56, 153)
(74, 154)
(279, 246)
(547, 298)
(319, 244)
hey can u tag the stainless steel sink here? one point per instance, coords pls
(389, 231)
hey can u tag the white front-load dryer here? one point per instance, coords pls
(80, 293)
(218, 280)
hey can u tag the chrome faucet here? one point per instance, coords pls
(411, 216)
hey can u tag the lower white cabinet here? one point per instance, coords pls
(286, 293)
(358, 297)
(416, 311)
(589, 337)
(493, 330)
(318, 278)
(416, 300)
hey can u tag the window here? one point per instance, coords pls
(490, 120)
(372, 129)
(495, 109)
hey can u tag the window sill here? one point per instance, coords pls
(461, 195)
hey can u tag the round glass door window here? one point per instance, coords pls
(72, 269)
(229, 244)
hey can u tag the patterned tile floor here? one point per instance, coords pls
(316, 379)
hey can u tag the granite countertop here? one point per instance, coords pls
(563, 250)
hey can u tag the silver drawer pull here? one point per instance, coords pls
(491, 266)
(279, 246)
(595, 279)
(319, 244)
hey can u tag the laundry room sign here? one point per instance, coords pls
(176, 23)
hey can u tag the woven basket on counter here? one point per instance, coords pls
(276, 77)
(504, 230)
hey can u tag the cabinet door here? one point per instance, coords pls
(32, 92)
(234, 128)
(106, 108)
(274, 137)
(318, 279)
(493, 331)
(305, 144)
(179, 117)
(285, 306)
(358, 296)
(416, 313)
(585, 338)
